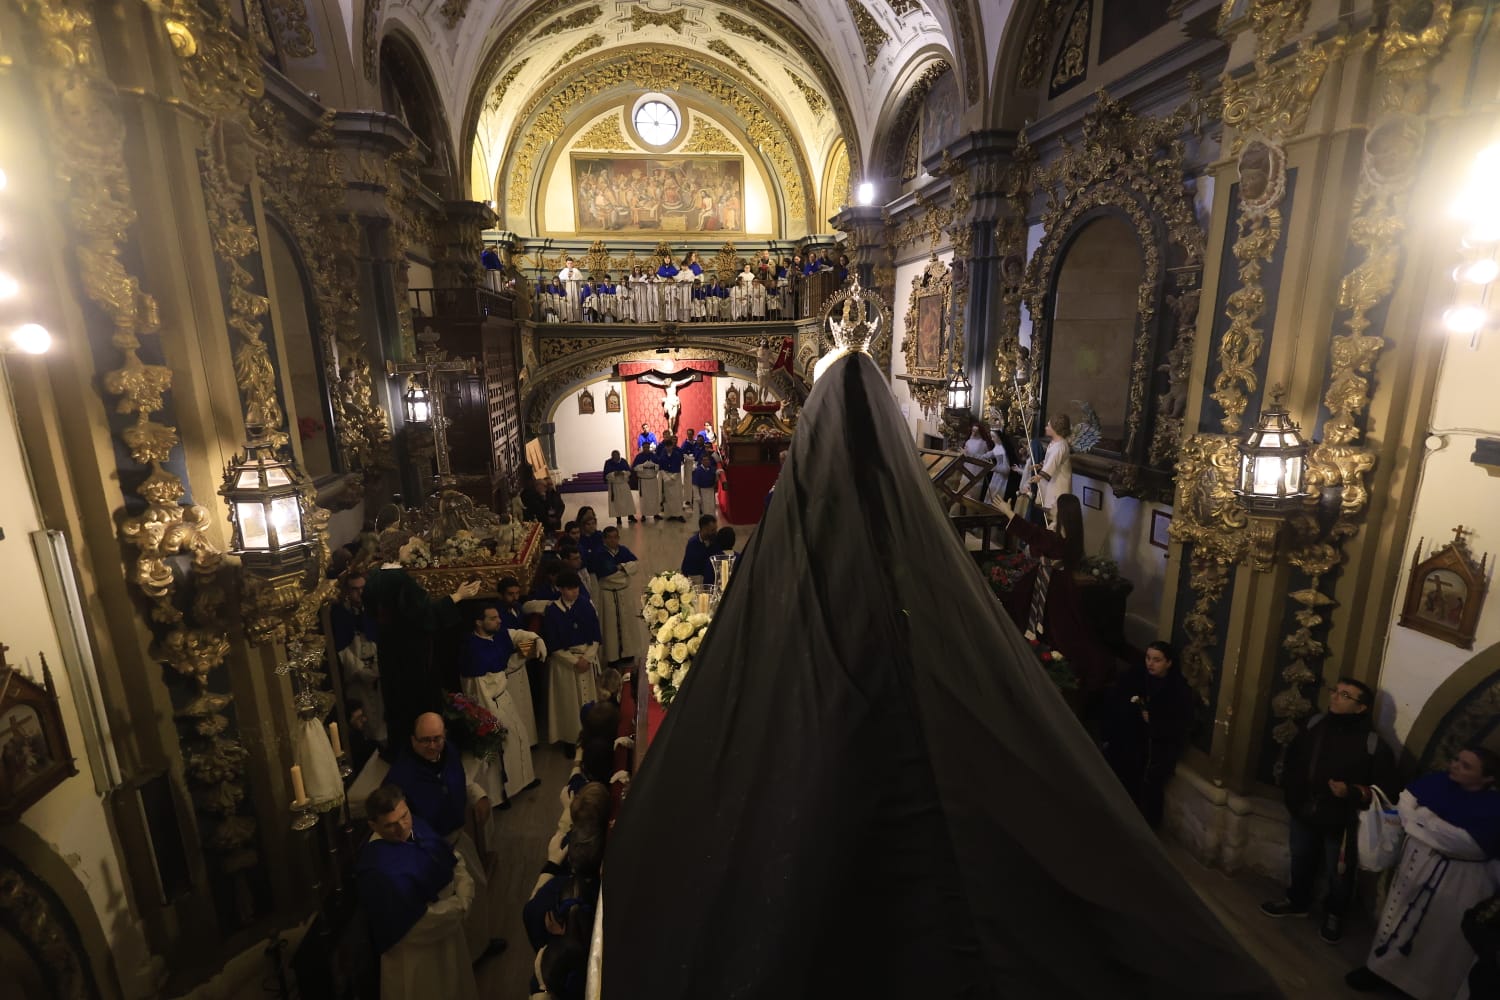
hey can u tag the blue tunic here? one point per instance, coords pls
(438, 793)
(643, 441)
(666, 271)
(577, 626)
(512, 618)
(397, 881)
(646, 455)
(695, 557)
(589, 544)
(479, 656)
(605, 563)
(704, 477)
(696, 268)
(616, 465)
(670, 461)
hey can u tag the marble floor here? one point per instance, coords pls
(1305, 967)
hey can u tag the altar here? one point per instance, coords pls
(752, 462)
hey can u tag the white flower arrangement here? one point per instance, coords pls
(675, 642)
(667, 594)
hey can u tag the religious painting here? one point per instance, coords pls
(628, 193)
(586, 403)
(940, 115)
(612, 400)
(34, 755)
(930, 330)
(1445, 593)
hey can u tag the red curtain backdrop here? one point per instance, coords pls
(643, 402)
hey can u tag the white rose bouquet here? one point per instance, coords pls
(674, 644)
(666, 594)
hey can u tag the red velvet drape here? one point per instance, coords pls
(643, 402)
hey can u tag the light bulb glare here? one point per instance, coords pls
(31, 338)
(9, 287)
(1478, 272)
(866, 193)
(1464, 320)
(3, 179)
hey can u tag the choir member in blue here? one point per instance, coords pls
(585, 299)
(645, 439)
(355, 637)
(705, 484)
(608, 304)
(700, 301)
(529, 660)
(491, 260)
(691, 445)
(574, 561)
(415, 892)
(695, 563)
(648, 480)
(485, 676)
(407, 618)
(667, 270)
(431, 774)
(670, 458)
(571, 627)
(621, 503)
(722, 292)
(589, 538)
(693, 265)
(612, 566)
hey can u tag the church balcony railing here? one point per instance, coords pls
(462, 303)
(654, 301)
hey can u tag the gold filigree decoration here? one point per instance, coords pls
(872, 37)
(87, 139)
(1275, 100)
(497, 93)
(935, 279)
(1044, 26)
(545, 115)
(836, 188)
(1006, 397)
(589, 44)
(641, 17)
(911, 156)
(1133, 166)
(707, 137)
(370, 39)
(453, 12)
(605, 133)
(581, 18)
(1073, 60)
(816, 102)
(293, 34)
(1410, 43)
(722, 48)
(737, 26)
(727, 262)
(901, 8)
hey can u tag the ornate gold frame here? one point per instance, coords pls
(1133, 168)
(1453, 558)
(934, 281)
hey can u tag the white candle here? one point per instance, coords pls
(333, 738)
(299, 790)
(703, 604)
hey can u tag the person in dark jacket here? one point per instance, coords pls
(1329, 769)
(1152, 709)
(543, 503)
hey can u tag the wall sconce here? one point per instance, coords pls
(265, 495)
(1273, 467)
(418, 403)
(960, 391)
(1478, 206)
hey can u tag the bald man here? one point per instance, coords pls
(431, 774)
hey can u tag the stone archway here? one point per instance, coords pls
(1465, 709)
(47, 917)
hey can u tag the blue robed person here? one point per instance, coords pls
(415, 892)
(571, 628)
(700, 547)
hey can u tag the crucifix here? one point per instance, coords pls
(433, 364)
(671, 406)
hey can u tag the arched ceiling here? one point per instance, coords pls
(828, 64)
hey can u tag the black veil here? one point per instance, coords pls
(868, 786)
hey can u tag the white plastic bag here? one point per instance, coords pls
(1380, 832)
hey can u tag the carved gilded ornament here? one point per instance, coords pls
(707, 137)
(370, 39)
(293, 33)
(907, 122)
(901, 8)
(641, 17)
(545, 115)
(1134, 167)
(1044, 26)
(497, 93)
(581, 18)
(87, 143)
(738, 26)
(872, 37)
(589, 44)
(453, 12)
(816, 102)
(1273, 101)
(606, 133)
(720, 47)
(1073, 59)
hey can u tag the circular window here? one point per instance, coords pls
(656, 121)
